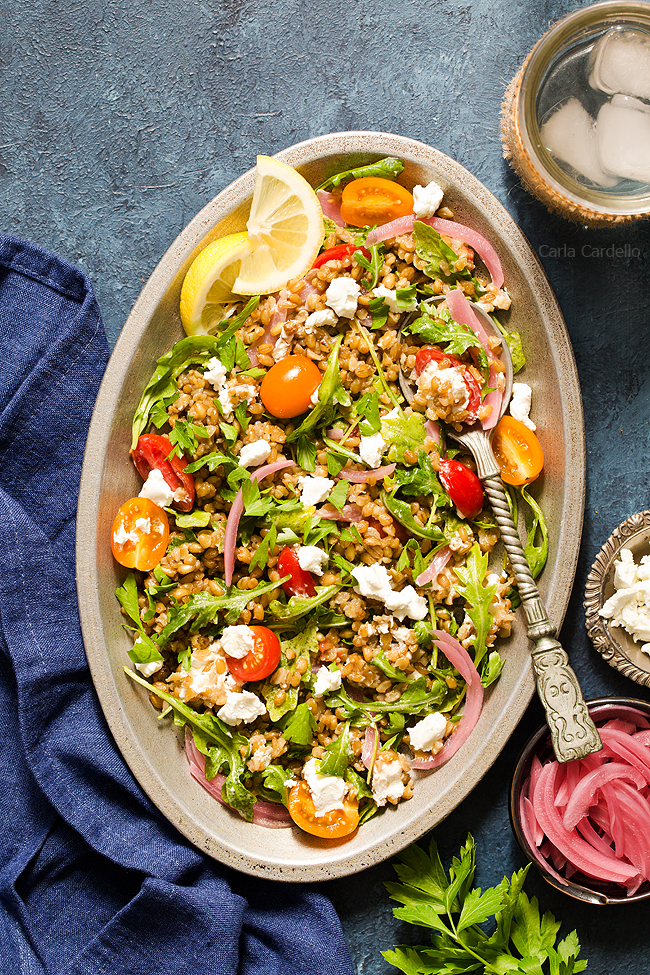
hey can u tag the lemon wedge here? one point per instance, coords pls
(285, 229)
(208, 285)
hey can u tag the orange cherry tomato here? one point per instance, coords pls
(140, 534)
(288, 386)
(518, 452)
(338, 822)
(259, 662)
(373, 200)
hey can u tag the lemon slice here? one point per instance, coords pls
(285, 229)
(208, 285)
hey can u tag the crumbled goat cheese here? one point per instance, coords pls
(312, 559)
(327, 791)
(342, 297)
(390, 297)
(143, 525)
(241, 392)
(237, 641)
(387, 782)
(374, 582)
(380, 624)
(520, 404)
(452, 377)
(282, 346)
(253, 454)
(428, 732)
(629, 607)
(241, 706)
(157, 489)
(148, 670)
(371, 448)
(321, 318)
(427, 199)
(121, 536)
(313, 490)
(326, 681)
(215, 373)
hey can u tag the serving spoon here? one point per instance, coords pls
(573, 733)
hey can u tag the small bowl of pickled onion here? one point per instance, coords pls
(585, 825)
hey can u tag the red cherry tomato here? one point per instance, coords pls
(374, 200)
(338, 253)
(431, 354)
(400, 531)
(259, 662)
(288, 386)
(301, 582)
(463, 487)
(338, 822)
(140, 534)
(153, 451)
(518, 452)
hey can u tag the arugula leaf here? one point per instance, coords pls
(379, 312)
(416, 699)
(192, 519)
(536, 555)
(301, 647)
(514, 344)
(403, 434)
(274, 778)
(202, 608)
(231, 747)
(331, 393)
(441, 329)
(144, 646)
(144, 651)
(402, 511)
(440, 258)
(211, 461)
(454, 910)
(338, 754)
(299, 606)
(299, 726)
(372, 266)
(161, 390)
(387, 168)
(478, 597)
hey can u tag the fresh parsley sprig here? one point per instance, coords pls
(523, 941)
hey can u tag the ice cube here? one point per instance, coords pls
(569, 135)
(623, 138)
(620, 63)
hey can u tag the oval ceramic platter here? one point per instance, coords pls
(152, 748)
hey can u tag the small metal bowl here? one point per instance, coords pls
(579, 887)
(614, 644)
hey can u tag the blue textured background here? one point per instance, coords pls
(119, 121)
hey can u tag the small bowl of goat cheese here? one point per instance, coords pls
(617, 599)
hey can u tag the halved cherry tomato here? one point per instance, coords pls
(430, 353)
(374, 200)
(338, 253)
(463, 487)
(288, 386)
(338, 822)
(140, 534)
(259, 662)
(400, 531)
(518, 452)
(153, 451)
(301, 582)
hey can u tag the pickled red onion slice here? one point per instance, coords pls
(232, 525)
(437, 564)
(581, 796)
(459, 658)
(485, 250)
(330, 207)
(360, 477)
(464, 314)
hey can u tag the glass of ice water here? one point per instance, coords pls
(576, 117)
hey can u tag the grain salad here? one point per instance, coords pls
(317, 589)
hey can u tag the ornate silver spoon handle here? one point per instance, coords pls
(573, 733)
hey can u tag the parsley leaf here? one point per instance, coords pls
(453, 910)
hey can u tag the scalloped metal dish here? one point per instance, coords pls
(613, 643)
(151, 747)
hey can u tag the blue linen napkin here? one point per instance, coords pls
(92, 878)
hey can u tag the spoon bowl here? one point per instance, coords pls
(573, 732)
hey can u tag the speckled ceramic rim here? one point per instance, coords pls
(613, 643)
(539, 744)
(151, 749)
